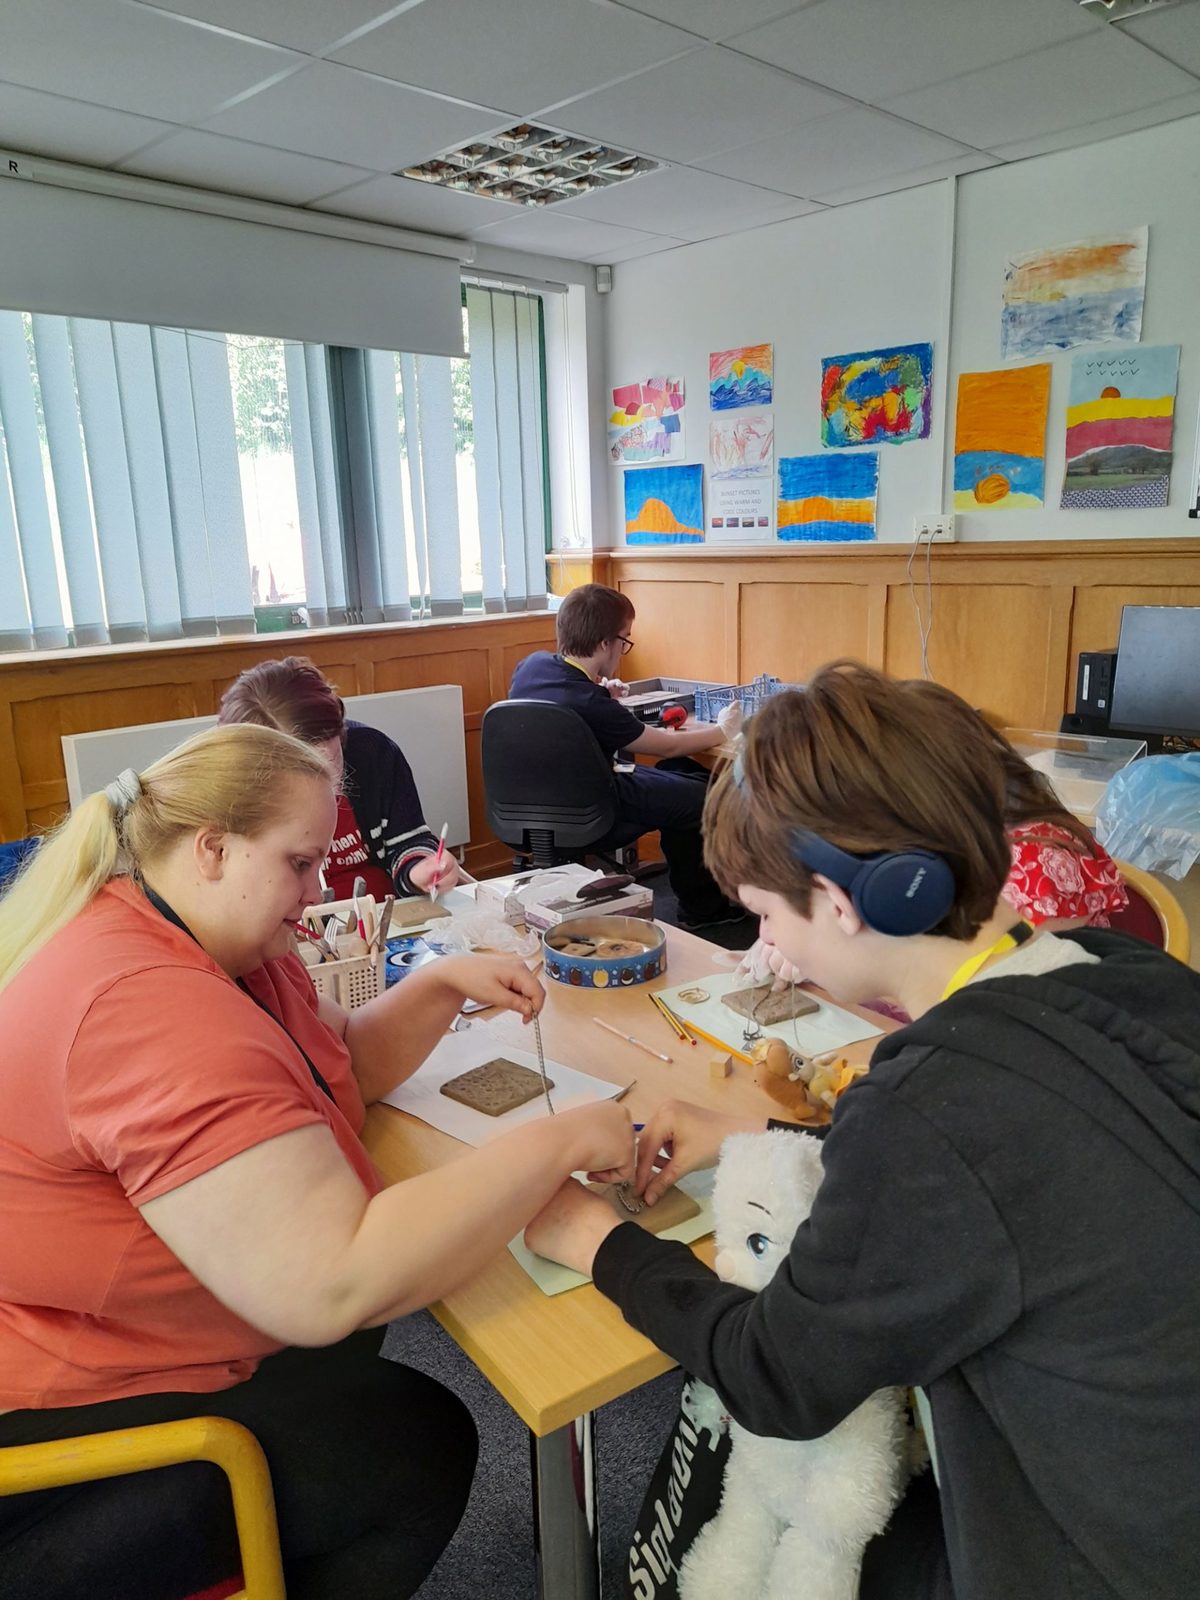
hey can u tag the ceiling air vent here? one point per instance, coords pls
(530, 166)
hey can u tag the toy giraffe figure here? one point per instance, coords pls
(795, 1515)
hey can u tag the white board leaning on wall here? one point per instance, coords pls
(427, 724)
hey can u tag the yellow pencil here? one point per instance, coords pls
(672, 1021)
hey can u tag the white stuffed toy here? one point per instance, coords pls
(795, 1515)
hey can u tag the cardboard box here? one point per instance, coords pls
(543, 899)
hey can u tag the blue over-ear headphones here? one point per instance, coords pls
(898, 892)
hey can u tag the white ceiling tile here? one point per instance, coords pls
(682, 200)
(575, 238)
(406, 203)
(614, 253)
(1061, 87)
(113, 53)
(715, 19)
(234, 166)
(518, 54)
(1187, 105)
(70, 130)
(308, 25)
(1174, 34)
(975, 161)
(691, 108)
(873, 49)
(836, 152)
(350, 116)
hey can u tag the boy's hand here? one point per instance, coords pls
(571, 1227)
(680, 1138)
(615, 687)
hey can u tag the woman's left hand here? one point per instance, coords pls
(493, 981)
(571, 1227)
(428, 873)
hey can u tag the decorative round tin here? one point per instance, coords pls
(604, 952)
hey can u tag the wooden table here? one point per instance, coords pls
(555, 1359)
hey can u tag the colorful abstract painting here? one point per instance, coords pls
(828, 497)
(741, 377)
(1120, 413)
(1000, 439)
(876, 396)
(664, 505)
(646, 421)
(1090, 292)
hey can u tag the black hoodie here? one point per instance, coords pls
(1010, 1216)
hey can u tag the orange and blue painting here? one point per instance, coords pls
(827, 497)
(1090, 292)
(741, 377)
(1000, 439)
(876, 396)
(1120, 415)
(664, 505)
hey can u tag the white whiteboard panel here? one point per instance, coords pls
(427, 724)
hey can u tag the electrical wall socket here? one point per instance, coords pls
(936, 529)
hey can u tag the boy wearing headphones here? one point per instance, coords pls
(1010, 1214)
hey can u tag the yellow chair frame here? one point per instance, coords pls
(58, 1462)
(1177, 938)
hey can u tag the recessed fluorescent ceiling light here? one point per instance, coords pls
(529, 166)
(1126, 10)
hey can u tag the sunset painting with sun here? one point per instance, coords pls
(1120, 416)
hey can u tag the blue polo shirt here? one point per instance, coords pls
(543, 676)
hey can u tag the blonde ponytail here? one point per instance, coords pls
(232, 778)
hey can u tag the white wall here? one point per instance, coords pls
(883, 271)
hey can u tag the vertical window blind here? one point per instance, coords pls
(158, 483)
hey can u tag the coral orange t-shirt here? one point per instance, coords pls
(131, 1064)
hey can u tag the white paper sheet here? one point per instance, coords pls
(483, 1041)
(829, 1028)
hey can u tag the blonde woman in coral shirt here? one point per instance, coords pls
(192, 1226)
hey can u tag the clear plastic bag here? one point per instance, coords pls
(1150, 814)
(470, 928)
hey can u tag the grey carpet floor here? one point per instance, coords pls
(491, 1555)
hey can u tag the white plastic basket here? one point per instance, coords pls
(352, 980)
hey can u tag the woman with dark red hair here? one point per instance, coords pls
(381, 833)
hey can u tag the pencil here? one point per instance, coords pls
(629, 1039)
(672, 1020)
(437, 861)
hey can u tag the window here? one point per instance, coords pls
(157, 483)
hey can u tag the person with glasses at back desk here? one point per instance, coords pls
(593, 633)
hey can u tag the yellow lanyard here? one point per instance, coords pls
(571, 662)
(1008, 941)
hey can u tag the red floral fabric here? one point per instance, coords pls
(1050, 878)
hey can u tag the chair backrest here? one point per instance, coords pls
(545, 774)
(13, 857)
(1153, 913)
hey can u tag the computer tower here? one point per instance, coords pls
(1094, 679)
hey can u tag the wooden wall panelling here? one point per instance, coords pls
(995, 646)
(790, 629)
(45, 696)
(1009, 617)
(680, 629)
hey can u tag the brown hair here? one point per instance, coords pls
(589, 617)
(291, 695)
(870, 763)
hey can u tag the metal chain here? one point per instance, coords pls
(541, 1055)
